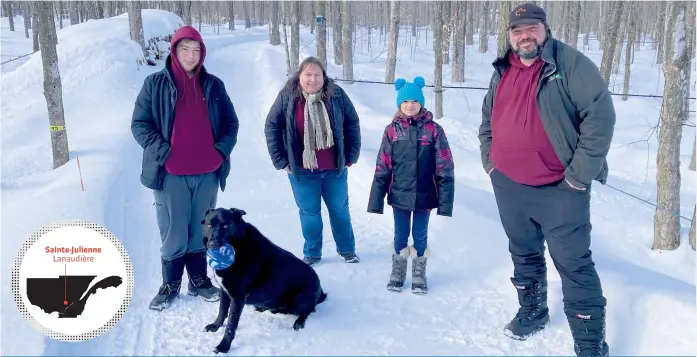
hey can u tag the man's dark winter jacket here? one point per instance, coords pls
(153, 120)
(285, 144)
(414, 167)
(576, 111)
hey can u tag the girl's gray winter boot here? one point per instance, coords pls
(419, 283)
(399, 270)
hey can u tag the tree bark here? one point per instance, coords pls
(26, 13)
(631, 23)
(53, 90)
(337, 29)
(35, 25)
(274, 34)
(484, 28)
(294, 35)
(10, 15)
(393, 42)
(438, 53)
(673, 115)
(135, 24)
(502, 38)
(347, 41)
(610, 40)
(322, 32)
(458, 65)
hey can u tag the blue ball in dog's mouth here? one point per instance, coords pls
(221, 258)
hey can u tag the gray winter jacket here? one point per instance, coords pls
(576, 111)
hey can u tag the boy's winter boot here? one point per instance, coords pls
(172, 272)
(399, 270)
(199, 282)
(533, 313)
(588, 332)
(419, 283)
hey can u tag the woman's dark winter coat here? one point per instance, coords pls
(284, 143)
(414, 167)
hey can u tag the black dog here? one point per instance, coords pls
(263, 275)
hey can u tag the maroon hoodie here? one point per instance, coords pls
(520, 148)
(192, 144)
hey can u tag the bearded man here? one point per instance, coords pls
(547, 124)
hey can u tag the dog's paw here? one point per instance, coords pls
(222, 347)
(212, 327)
(298, 325)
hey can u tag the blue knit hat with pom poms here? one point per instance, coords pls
(410, 91)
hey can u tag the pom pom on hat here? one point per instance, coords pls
(410, 91)
(399, 83)
(221, 258)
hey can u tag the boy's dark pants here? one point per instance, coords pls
(560, 215)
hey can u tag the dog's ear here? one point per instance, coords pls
(208, 210)
(237, 213)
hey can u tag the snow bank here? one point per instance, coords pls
(100, 80)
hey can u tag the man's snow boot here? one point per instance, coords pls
(533, 313)
(399, 270)
(588, 331)
(172, 272)
(419, 283)
(199, 282)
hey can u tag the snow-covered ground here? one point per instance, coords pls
(651, 294)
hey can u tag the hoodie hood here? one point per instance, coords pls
(185, 33)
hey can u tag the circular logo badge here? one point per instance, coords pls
(73, 280)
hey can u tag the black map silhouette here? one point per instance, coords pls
(51, 294)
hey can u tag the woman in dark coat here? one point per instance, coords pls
(313, 132)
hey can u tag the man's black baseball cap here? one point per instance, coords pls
(526, 14)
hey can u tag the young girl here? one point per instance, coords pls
(415, 170)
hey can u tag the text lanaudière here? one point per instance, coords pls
(80, 251)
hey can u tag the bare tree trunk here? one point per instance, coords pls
(575, 10)
(26, 13)
(458, 65)
(186, 11)
(502, 39)
(484, 28)
(274, 34)
(286, 12)
(347, 39)
(673, 115)
(447, 30)
(438, 53)
(392, 45)
(74, 13)
(337, 29)
(35, 25)
(294, 34)
(470, 23)
(60, 14)
(610, 40)
(53, 90)
(231, 15)
(631, 23)
(322, 32)
(135, 23)
(660, 31)
(248, 20)
(10, 15)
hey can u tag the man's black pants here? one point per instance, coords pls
(560, 215)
